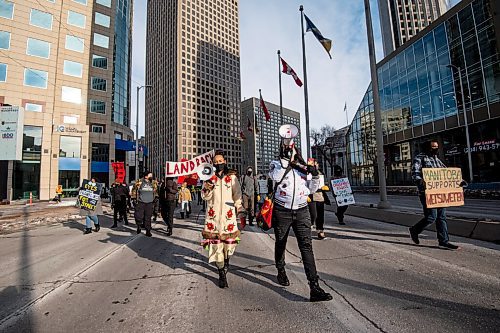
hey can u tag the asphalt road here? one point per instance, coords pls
(55, 279)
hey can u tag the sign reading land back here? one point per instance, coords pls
(89, 195)
(442, 187)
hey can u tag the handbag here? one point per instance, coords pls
(265, 215)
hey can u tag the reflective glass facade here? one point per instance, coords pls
(421, 97)
(122, 56)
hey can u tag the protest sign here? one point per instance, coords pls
(89, 195)
(184, 168)
(262, 186)
(119, 170)
(442, 187)
(342, 189)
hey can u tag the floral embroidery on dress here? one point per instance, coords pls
(229, 214)
(210, 226)
(230, 227)
(211, 213)
(227, 181)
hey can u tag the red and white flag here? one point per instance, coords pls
(264, 108)
(249, 125)
(289, 70)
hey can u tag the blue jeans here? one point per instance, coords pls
(432, 215)
(89, 218)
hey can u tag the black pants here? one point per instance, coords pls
(300, 221)
(167, 213)
(120, 209)
(200, 199)
(317, 212)
(340, 211)
(143, 213)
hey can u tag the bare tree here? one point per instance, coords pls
(319, 138)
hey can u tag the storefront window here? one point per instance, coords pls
(26, 177)
(70, 146)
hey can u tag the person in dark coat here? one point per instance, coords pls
(168, 190)
(120, 196)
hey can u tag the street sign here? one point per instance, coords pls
(11, 133)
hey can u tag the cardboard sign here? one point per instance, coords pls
(442, 187)
(342, 189)
(89, 195)
(262, 186)
(119, 170)
(184, 168)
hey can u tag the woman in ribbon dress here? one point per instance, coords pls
(221, 235)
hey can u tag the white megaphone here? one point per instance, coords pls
(205, 171)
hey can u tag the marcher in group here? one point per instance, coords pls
(200, 199)
(263, 190)
(337, 173)
(428, 159)
(317, 202)
(249, 192)
(168, 190)
(144, 193)
(290, 210)
(185, 200)
(223, 196)
(120, 196)
(91, 215)
(59, 193)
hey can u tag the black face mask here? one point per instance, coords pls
(434, 151)
(220, 167)
(249, 173)
(150, 178)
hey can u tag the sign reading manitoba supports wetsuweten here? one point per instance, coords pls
(89, 195)
(442, 187)
(342, 189)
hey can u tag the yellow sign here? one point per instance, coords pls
(442, 187)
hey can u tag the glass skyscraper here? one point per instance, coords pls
(420, 97)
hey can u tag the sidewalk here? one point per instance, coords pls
(478, 219)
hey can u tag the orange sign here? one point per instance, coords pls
(442, 187)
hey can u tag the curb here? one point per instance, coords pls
(481, 230)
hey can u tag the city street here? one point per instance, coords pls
(55, 279)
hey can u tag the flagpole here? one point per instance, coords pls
(384, 203)
(254, 141)
(281, 98)
(306, 101)
(346, 116)
(262, 136)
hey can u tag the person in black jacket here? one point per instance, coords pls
(120, 196)
(168, 190)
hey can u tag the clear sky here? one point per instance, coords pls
(269, 25)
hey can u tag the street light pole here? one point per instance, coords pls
(376, 106)
(469, 156)
(137, 131)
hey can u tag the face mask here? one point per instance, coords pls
(220, 167)
(150, 178)
(434, 151)
(249, 172)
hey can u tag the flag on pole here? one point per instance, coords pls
(264, 108)
(327, 43)
(289, 70)
(249, 125)
(242, 136)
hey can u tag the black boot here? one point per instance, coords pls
(226, 265)
(318, 294)
(250, 220)
(87, 231)
(282, 278)
(114, 226)
(148, 233)
(222, 278)
(182, 215)
(169, 231)
(97, 227)
(138, 228)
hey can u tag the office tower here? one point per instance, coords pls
(400, 20)
(267, 139)
(193, 65)
(67, 63)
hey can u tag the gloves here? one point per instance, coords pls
(312, 170)
(325, 188)
(463, 183)
(258, 198)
